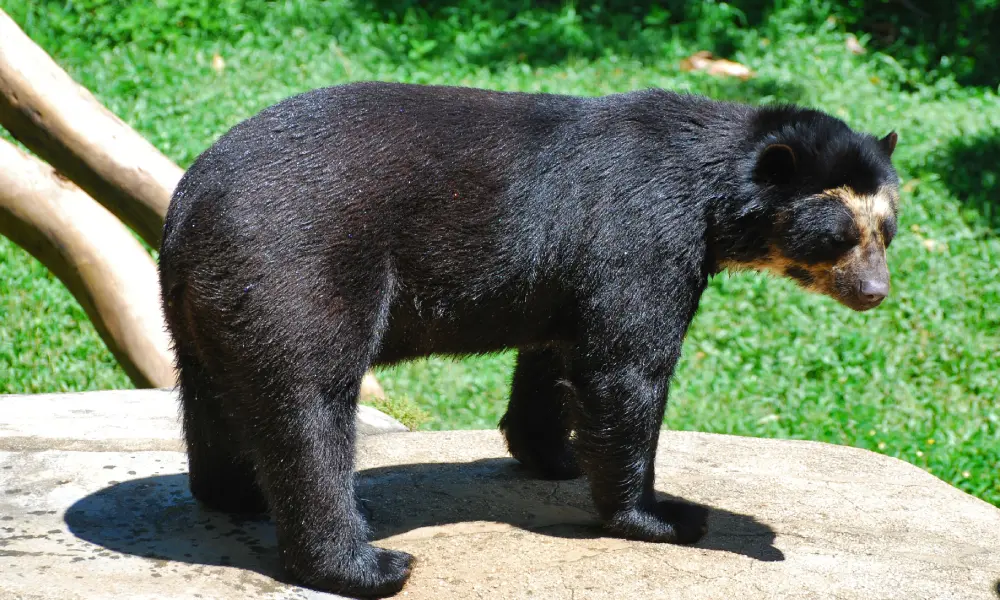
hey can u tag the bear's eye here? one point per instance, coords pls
(838, 242)
(888, 231)
(819, 231)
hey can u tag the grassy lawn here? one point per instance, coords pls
(917, 378)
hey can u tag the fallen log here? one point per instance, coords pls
(62, 122)
(108, 271)
(101, 263)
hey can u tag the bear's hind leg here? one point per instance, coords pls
(297, 410)
(306, 458)
(221, 477)
(536, 424)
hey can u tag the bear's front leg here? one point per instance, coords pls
(536, 425)
(618, 417)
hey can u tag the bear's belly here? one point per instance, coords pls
(416, 330)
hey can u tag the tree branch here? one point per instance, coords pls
(100, 261)
(62, 122)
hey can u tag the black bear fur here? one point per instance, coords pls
(371, 223)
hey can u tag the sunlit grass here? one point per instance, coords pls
(917, 378)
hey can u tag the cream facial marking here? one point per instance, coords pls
(869, 210)
(773, 262)
(815, 278)
(836, 278)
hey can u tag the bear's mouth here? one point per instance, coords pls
(861, 282)
(860, 305)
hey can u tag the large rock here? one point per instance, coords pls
(116, 420)
(100, 509)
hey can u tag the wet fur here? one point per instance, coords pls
(373, 223)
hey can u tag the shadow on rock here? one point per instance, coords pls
(156, 517)
(404, 497)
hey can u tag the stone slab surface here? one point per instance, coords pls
(789, 520)
(116, 420)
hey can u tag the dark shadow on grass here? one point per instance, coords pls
(957, 38)
(753, 91)
(547, 32)
(970, 167)
(156, 517)
(542, 34)
(947, 38)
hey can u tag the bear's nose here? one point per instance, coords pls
(873, 290)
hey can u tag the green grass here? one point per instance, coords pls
(917, 378)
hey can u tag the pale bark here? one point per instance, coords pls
(100, 261)
(61, 224)
(62, 122)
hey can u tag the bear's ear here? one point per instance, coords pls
(776, 165)
(888, 143)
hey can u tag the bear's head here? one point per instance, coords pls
(820, 204)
